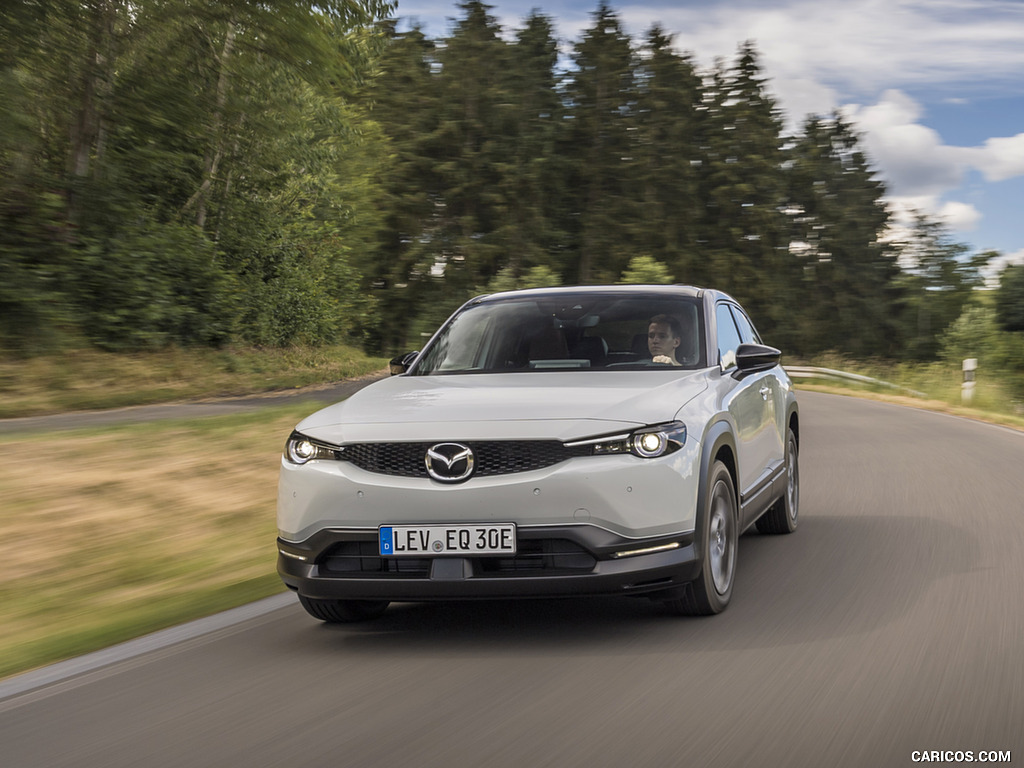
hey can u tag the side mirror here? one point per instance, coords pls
(400, 364)
(756, 357)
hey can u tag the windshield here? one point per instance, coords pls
(569, 332)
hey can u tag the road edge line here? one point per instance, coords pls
(62, 671)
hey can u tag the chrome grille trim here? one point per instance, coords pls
(495, 457)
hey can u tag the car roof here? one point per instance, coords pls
(597, 290)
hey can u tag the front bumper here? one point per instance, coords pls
(552, 561)
(633, 497)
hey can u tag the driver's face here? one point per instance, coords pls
(660, 340)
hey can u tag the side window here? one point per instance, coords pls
(747, 333)
(728, 336)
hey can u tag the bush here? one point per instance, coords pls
(303, 292)
(34, 244)
(151, 285)
(977, 334)
(646, 270)
(1010, 299)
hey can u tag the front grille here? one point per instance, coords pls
(536, 557)
(499, 457)
(358, 558)
(543, 557)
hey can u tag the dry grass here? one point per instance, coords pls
(89, 379)
(927, 404)
(110, 534)
(998, 395)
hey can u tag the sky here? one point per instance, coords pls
(935, 87)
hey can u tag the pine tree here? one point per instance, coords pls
(452, 123)
(1010, 298)
(472, 141)
(842, 273)
(742, 185)
(407, 105)
(533, 172)
(665, 148)
(938, 277)
(601, 97)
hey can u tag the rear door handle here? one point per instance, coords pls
(765, 391)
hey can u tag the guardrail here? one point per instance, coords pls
(808, 372)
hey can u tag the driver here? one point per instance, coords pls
(663, 336)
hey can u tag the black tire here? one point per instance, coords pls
(343, 611)
(711, 591)
(784, 515)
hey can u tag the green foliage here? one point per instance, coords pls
(646, 270)
(602, 171)
(667, 146)
(978, 333)
(837, 271)
(742, 184)
(33, 252)
(150, 285)
(535, 277)
(938, 281)
(497, 169)
(975, 334)
(540, 277)
(181, 172)
(304, 293)
(1010, 298)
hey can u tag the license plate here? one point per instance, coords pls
(435, 540)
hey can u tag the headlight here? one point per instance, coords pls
(301, 449)
(647, 442)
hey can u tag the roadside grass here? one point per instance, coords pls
(109, 534)
(89, 379)
(998, 397)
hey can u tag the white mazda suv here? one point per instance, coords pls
(553, 442)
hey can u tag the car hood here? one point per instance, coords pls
(548, 405)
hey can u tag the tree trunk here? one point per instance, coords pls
(212, 158)
(94, 86)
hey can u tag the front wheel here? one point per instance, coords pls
(343, 611)
(711, 591)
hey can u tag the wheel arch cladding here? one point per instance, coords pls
(720, 445)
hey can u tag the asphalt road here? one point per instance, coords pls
(891, 622)
(317, 397)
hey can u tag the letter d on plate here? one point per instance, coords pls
(387, 540)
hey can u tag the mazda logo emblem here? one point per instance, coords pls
(449, 462)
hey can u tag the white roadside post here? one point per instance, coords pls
(967, 388)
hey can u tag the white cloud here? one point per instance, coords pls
(818, 55)
(962, 217)
(919, 168)
(856, 46)
(802, 96)
(913, 158)
(1000, 158)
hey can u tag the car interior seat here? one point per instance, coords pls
(592, 348)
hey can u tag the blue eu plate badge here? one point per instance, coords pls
(387, 540)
